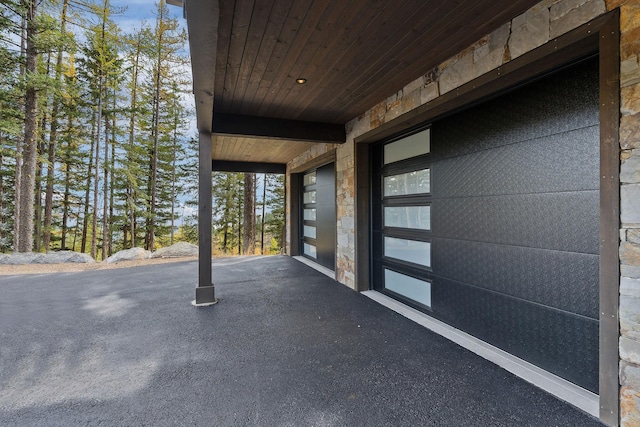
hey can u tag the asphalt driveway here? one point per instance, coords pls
(286, 346)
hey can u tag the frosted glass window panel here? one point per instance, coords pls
(416, 182)
(408, 250)
(309, 179)
(310, 214)
(309, 197)
(410, 287)
(408, 217)
(309, 231)
(310, 250)
(411, 146)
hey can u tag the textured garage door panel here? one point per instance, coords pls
(536, 275)
(326, 222)
(546, 221)
(555, 163)
(560, 342)
(559, 103)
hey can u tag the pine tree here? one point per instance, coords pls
(102, 63)
(64, 42)
(228, 196)
(11, 120)
(275, 203)
(165, 58)
(26, 186)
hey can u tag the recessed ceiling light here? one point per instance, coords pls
(301, 80)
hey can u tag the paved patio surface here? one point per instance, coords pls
(286, 346)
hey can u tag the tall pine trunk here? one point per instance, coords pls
(37, 238)
(19, 143)
(87, 190)
(28, 171)
(105, 191)
(112, 167)
(131, 196)
(249, 220)
(264, 198)
(53, 135)
(154, 157)
(96, 178)
(67, 193)
(173, 179)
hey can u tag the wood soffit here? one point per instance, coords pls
(353, 54)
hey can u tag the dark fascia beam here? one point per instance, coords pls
(202, 22)
(282, 129)
(251, 167)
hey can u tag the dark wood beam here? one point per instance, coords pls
(253, 167)
(263, 127)
(202, 22)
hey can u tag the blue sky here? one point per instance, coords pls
(139, 10)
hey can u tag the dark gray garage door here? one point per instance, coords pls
(494, 229)
(318, 216)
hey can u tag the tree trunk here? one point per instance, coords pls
(173, 180)
(239, 219)
(105, 191)
(96, 182)
(37, 238)
(19, 143)
(249, 235)
(264, 198)
(67, 193)
(112, 166)
(131, 205)
(28, 172)
(53, 135)
(154, 158)
(87, 191)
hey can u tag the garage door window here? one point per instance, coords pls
(415, 182)
(405, 199)
(408, 217)
(408, 250)
(407, 286)
(408, 147)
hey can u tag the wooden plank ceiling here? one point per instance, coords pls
(353, 54)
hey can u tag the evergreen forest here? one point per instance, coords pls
(97, 148)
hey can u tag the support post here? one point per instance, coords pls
(205, 294)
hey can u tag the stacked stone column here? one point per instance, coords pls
(630, 210)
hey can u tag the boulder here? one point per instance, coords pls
(129, 255)
(180, 249)
(19, 258)
(66, 257)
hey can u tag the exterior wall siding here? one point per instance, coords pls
(537, 26)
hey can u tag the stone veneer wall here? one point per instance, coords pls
(630, 210)
(537, 26)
